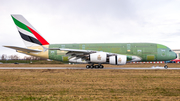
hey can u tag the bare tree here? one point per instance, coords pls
(13, 57)
(27, 58)
(33, 58)
(4, 57)
(16, 57)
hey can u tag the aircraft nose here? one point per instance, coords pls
(176, 55)
(173, 55)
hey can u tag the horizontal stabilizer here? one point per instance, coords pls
(23, 49)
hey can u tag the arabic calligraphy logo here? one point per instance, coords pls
(99, 57)
(119, 60)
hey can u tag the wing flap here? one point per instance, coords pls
(23, 49)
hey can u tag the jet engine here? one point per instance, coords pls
(118, 60)
(99, 57)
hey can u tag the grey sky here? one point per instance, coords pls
(93, 21)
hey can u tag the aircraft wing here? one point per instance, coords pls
(83, 54)
(23, 49)
(78, 53)
(74, 52)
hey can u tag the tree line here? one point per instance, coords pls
(16, 57)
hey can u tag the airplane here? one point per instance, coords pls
(89, 53)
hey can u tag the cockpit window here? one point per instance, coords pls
(170, 50)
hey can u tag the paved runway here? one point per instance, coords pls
(85, 68)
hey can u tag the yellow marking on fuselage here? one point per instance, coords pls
(38, 54)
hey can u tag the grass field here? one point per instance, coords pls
(170, 65)
(31, 61)
(90, 85)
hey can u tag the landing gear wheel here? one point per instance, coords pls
(96, 66)
(165, 66)
(87, 66)
(91, 66)
(101, 66)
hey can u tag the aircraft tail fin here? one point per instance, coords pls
(28, 33)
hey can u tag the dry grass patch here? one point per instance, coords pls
(89, 84)
(170, 65)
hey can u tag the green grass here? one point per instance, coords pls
(89, 85)
(19, 61)
(31, 61)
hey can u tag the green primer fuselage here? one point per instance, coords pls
(147, 51)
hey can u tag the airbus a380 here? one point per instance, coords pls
(96, 53)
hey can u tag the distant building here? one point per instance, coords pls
(177, 51)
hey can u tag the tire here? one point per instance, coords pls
(87, 66)
(101, 66)
(97, 66)
(165, 66)
(91, 66)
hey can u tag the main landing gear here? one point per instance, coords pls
(95, 66)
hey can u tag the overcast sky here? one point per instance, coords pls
(93, 21)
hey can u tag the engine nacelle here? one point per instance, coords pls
(118, 60)
(99, 57)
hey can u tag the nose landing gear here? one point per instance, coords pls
(166, 67)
